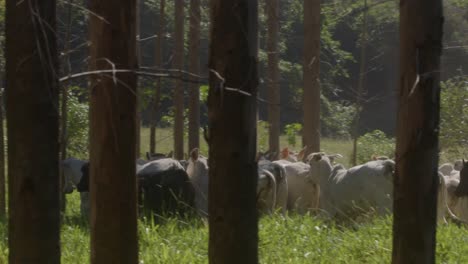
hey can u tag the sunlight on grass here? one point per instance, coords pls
(291, 239)
(164, 143)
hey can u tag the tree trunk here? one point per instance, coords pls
(2, 156)
(416, 180)
(64, 108)
(112, 133)
(272, 11)
(158, 63)
(138, 54)
(33, 132)
(233, 230)
(361, 84)
(194, 68)
(311, 74)
(179, 88)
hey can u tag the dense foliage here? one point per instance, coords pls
(341, 41)
(454, 117)
(374, 144)
(77, 125)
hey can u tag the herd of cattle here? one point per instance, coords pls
(314, 184)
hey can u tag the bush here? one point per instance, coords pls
(336, 118)
(262, 135)
(374, 143)
(78, 126)
(454, 118)
(291, 131)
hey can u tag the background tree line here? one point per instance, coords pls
(341, 30)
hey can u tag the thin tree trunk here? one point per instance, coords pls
(32, 99)
(361, 84)
(113, 106)
(272, 11)
(64, 109)
(311, 75)
(416, 179)
(138, 113)
(194, 67)
(233, 230)
(2, 156)
(179, 88)
(158, 64)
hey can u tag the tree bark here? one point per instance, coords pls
(33, 132)
(361, 85)
(272, 11)
(113, 133)
(233, 230)
(2, 155)
(416, 179)
(311, 75)
(194, 68)
(64, 107)
(158, 63)
(138, 53)
(179, 87)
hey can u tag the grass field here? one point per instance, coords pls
(164, 143)
(291, 239)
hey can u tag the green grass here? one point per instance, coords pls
(292, 239)
(165, 143)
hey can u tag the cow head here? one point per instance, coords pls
(458, 165)
(83, 185)
(197, 165)
(462, 189)
(320, 167)
(157, 156)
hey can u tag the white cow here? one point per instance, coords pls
(446, 169)
(266, 192)
(303, 194)
(197, 170)
(281, 181)
(343, 191)
(451, 173)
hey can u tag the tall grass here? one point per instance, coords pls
(291, 239)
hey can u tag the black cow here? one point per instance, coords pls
(164, 188)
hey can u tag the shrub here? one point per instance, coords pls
(262, 138)
(77, 124)
(454, 118)
(374, 143)
(336, 118)
(291, 131)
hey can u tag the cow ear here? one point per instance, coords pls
(317, 156)
(301, 154)
(170, 154)
(194, 154)
(285, 153)
(259, 156)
